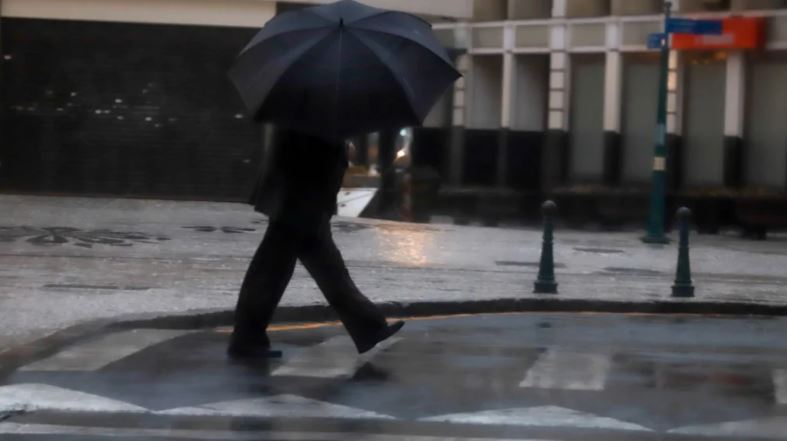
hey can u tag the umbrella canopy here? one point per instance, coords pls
(343, 69)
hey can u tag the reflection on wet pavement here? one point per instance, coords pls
(405, 248)
(514, 376)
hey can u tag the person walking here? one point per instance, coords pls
(321, 75)
(297, 188)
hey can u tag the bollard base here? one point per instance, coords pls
(545, 287)
(683, 291)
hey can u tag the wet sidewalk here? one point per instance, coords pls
(527, 376)
(65, 261)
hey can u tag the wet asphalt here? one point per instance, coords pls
(516, 376)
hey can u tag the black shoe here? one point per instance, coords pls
(252, 352)
(382, 335)
(240, 349)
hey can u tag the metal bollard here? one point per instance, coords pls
(683, 286)
(545, 284)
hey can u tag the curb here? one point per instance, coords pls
(321, 313)
(46, 346)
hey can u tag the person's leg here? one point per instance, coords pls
(363, 320)
(266, 279)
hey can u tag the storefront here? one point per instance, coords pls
(640, 101)
(587, 118)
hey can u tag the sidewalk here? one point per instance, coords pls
(67, 261)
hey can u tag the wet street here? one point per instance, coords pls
(518, 376)
(67, 261)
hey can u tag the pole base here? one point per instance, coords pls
(656, 240)
(545, 287)
(683, 291)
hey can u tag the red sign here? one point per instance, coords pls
(737, 33)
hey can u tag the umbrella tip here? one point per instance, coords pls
(341, 21)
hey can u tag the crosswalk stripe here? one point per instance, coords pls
(562, 369)
(99, 353)
(333, 358)
(774, 427)
(291, 406)
(31, 397)
(191, 434)
(780, 385)
(545, 416)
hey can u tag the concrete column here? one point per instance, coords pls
(508, 84)
(554, 166)
(613, 91)
(458, 123)
(675, 92)
(559, 8)
(559, 80)
(507, 100)
(735, 106)
(735, 94)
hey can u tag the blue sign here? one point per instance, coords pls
(695, 27)
(656, 41)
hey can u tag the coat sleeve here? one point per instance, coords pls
(264, 181)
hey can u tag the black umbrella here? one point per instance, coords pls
(343, 69)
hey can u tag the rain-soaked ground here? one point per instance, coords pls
(518, 376)
(67, 261)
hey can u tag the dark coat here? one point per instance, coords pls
(300, 178)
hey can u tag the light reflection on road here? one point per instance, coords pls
(409, 248)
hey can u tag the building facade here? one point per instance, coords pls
(131, 97)
(560, 100)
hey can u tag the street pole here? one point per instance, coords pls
(655, 233)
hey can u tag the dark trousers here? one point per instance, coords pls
(271, 270)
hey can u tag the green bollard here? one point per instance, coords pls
(545, 284)
(683, 286)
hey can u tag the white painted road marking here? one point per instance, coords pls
(546, 416)
(333, 358)
(775, 427)
(110, 432)
(561, 369)
(780, 385)
(289, 406)
(34, 397)
(99, 353)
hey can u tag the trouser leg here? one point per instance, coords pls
(322, 259)
(263, 286)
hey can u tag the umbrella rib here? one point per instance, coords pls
(386, 12)
(403, 37)
(408, 92)
(283, 33)
(292, 62)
